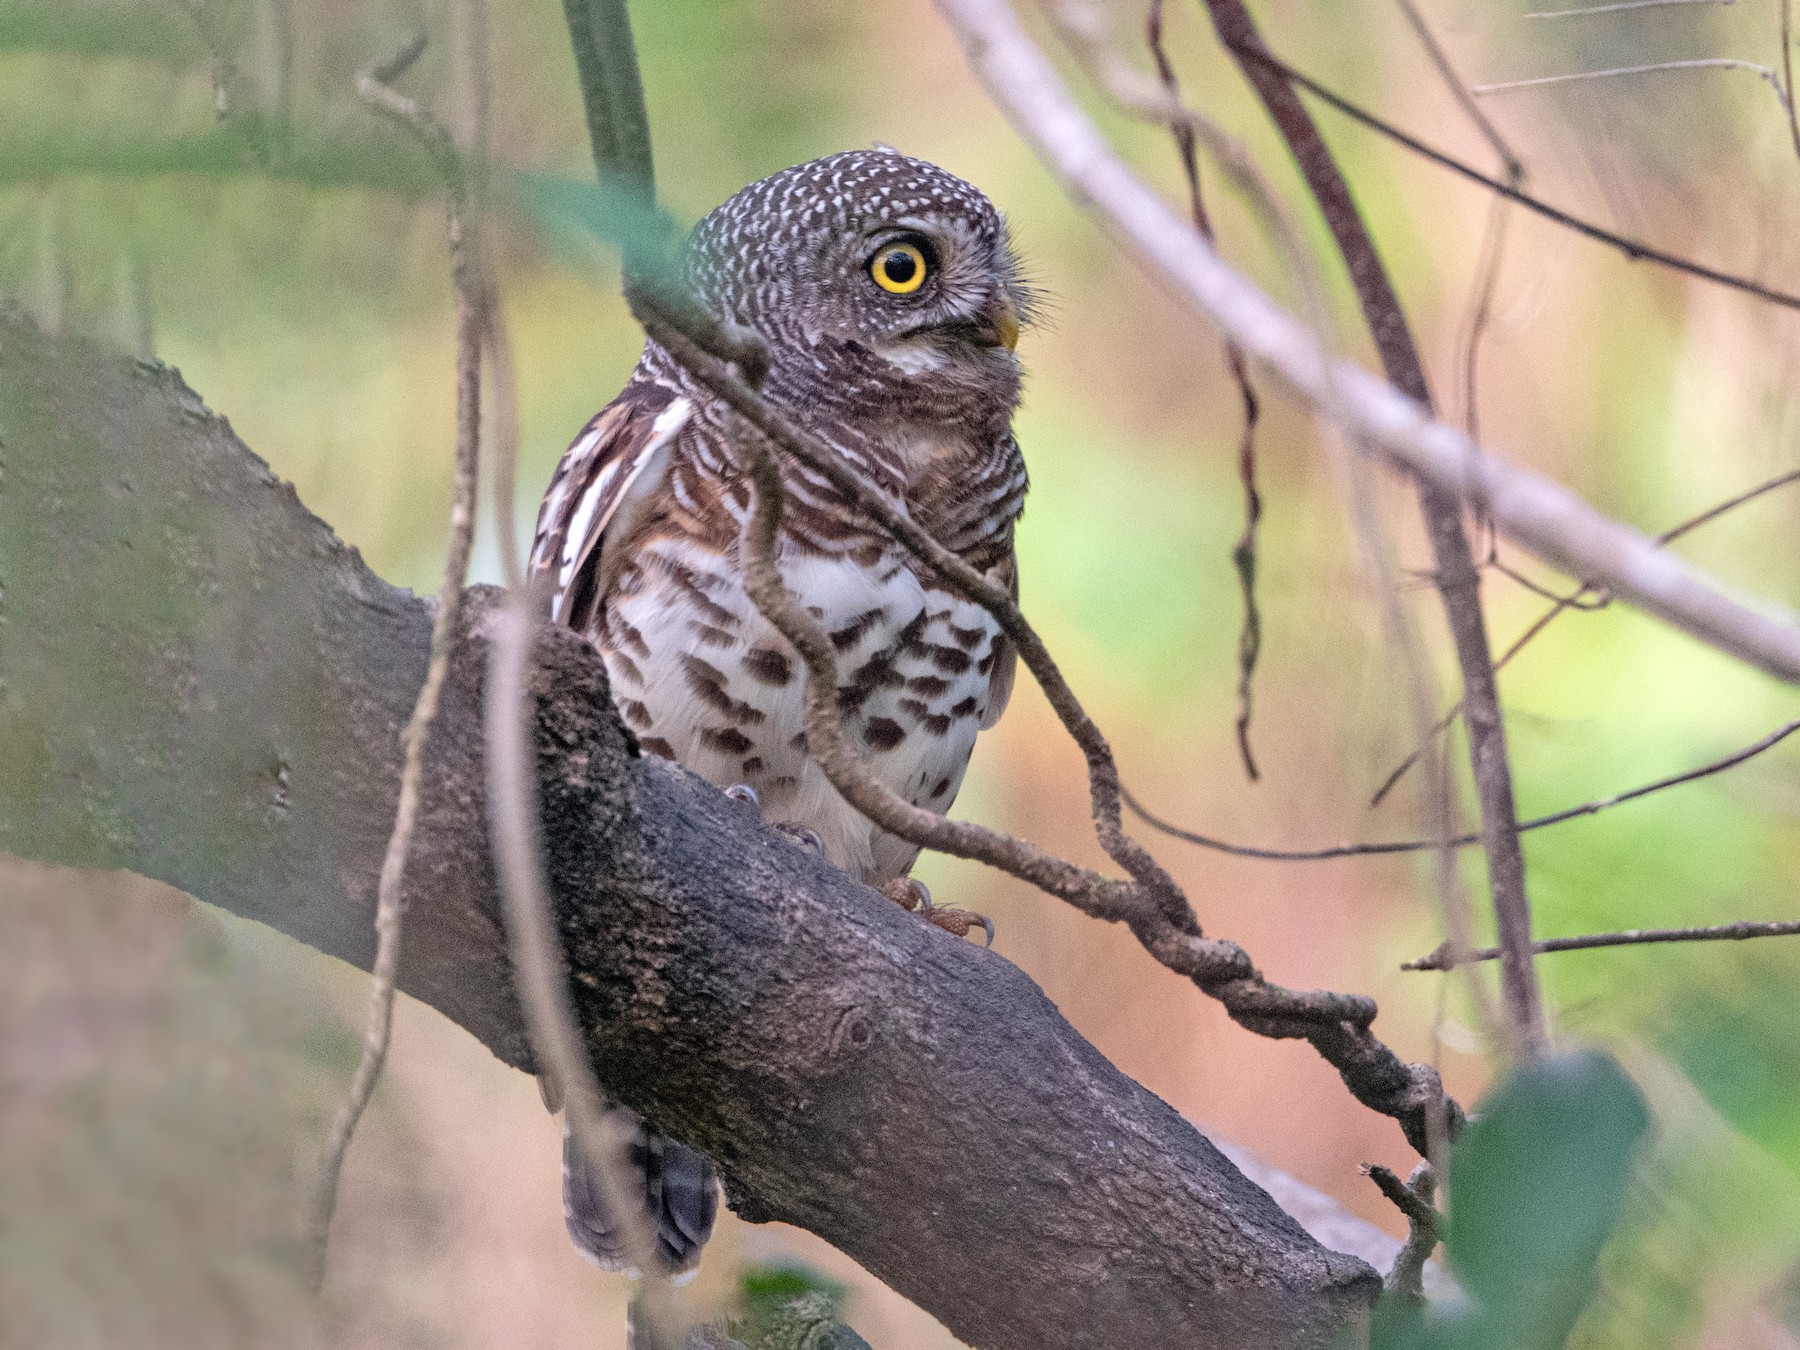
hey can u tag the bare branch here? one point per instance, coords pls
(1541, 516)
(390, 911)
(1589, 808)
(1634, 249)
(1243, 553)
(1414, 1198)
(1767, 76)
(1587, 597)
(1630, 937)
(740, 994)
(612, 93)
(1617, 7)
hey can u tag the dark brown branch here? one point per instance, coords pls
(1243, 553)
(1458, 583)
(205, 687)
(1634, 249)
(1588, 808)
(1630, 937)
(1415, 1199)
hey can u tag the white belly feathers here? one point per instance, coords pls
(703, 679)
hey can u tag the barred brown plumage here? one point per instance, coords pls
(914, 381)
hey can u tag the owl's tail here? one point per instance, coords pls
(681, 1201)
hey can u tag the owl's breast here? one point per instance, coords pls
(705, 680)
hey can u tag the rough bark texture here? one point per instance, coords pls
(199, 683)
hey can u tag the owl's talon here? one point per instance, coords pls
(912, 894)
(959, 921)
(906, 892)
(743, 792)
(799, 834)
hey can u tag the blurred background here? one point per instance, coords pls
(166, 1072)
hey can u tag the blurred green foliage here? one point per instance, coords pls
(1538, 1180)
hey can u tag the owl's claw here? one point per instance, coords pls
(743, 792)
(911, 894)
(799, 834)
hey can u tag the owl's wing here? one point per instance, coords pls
(1006, 656)
(608, 478)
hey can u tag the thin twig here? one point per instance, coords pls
(1458, 583)
(1787, 72)
(1413, 1198)
(1514, 166)
(1243, 553)
(536, 949)
(1631, 937)
(1586, 597)
(1634, 249)
(390, 891)
(1493, 236)
(1588, 808)
(1617, 7)
(619, 134)
(1152, 100)
(1763, 73)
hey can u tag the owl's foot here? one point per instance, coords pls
(911, 894)
(795, 834)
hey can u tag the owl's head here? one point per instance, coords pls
(869, 268)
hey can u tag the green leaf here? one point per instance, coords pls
(1538, 1180)
(766, 1289)
(573, 213)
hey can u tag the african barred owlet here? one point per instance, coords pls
(890, 301)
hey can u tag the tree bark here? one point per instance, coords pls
(199, 683)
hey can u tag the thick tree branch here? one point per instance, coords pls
(200, 684)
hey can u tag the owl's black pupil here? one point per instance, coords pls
(900, 266)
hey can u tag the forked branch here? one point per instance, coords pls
(1631, 937)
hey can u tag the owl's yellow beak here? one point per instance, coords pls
(1003, 321)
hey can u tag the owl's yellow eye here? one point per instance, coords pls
(899, 268)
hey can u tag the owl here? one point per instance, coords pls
(890, 298)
